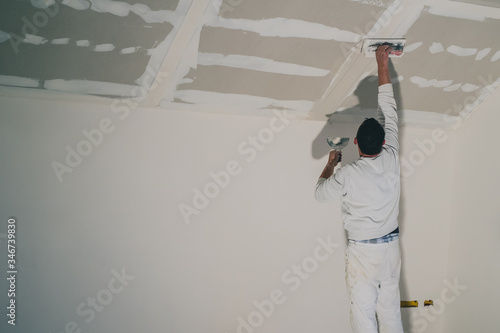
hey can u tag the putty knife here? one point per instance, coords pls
(370, 45)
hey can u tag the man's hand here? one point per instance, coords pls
(333, 159)
(382, 55)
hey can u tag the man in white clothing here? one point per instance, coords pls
(369, 190)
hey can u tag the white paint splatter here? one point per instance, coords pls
(93, 87)
(77, 4)
(378, 3)
(122, 9)
(412, 47)
(17, 81)
(282, 27)
(82, 43)
(117, 8)
(483, 53)
(467, 87)
(4, 36)
(150, 16)
(448, 12)
(236, 100)
(424, 83)
(104, 48)
(453, 87)
(35, 40)
(496, 56)
(129, 50)
(43, 4)
(436, 48)
(60, 41)
(259, 64)
(461, 51)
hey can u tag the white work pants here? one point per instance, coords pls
(372, 280)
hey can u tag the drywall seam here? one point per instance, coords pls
(412, 47)
(17, 81)
(232, 110)
(258, 64)
(282, 27)
(123, 9)
(461, 51)
(231, 100)
(445, 84)
(461, 10)
(93, 87)
(167, 57)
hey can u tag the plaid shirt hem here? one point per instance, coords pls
(380, 240)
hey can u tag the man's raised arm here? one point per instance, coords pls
(386, 101)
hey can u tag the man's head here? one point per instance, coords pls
(370, 137)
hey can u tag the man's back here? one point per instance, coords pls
(369, 187)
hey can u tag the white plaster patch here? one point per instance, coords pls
(467, 87)
(129, 50)
(378, 3)
(77, 4)
(117, 8)
(424, 83)
(412, 47)
(82, 43)
(60, 41)
(18, 81)
(4, 36)
(282, 27)
(461, 51)
(43, 4)
(236, 100)
(453, 87)
(93, 87)
(483, 53)
(496, 56)
(104, 48)
(259, 64)
(449, 12)
(151, 16)
(122, 9)
(35, 40)
(436, 48)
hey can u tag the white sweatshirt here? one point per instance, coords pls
(369, 187)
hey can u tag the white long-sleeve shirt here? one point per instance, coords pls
(369, 188)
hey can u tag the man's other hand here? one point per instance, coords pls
(335, 157)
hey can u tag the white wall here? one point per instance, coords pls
(119, 209)
(475, 228)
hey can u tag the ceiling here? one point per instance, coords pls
(256, 57)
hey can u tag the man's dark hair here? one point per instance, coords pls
(370, 136)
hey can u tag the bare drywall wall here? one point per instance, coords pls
(473, 254)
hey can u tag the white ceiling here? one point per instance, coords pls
(253, 57)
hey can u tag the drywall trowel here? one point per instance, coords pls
(370, 45)
(337, 143)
